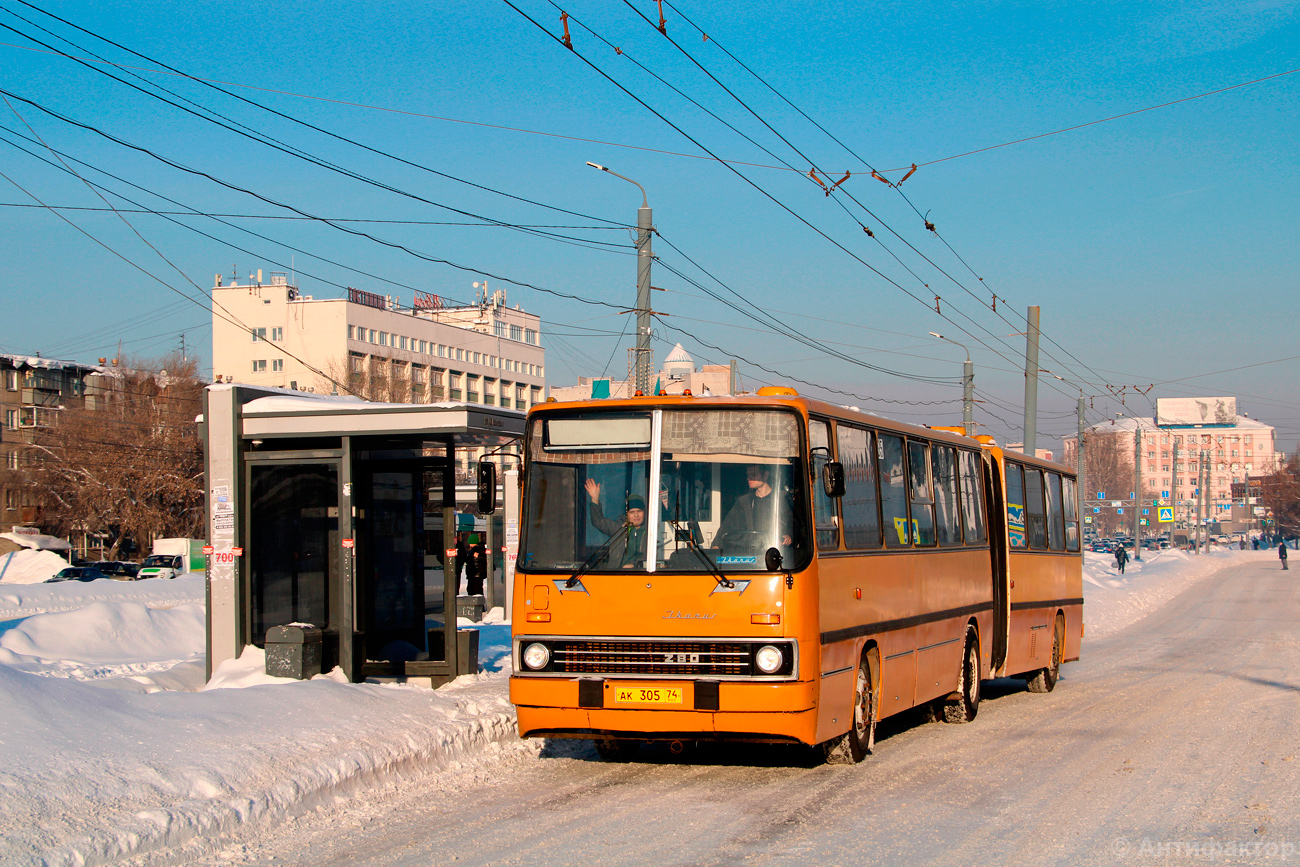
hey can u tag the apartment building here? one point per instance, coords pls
(268, 333)
(33, 390)
(1185, 435)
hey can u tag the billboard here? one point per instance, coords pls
(1187, 411)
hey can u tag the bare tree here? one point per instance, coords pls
(1109, 468)
(129, 464)
(1281, 494)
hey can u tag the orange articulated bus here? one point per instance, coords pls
(771, 568)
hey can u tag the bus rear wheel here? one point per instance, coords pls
(1044, 680)
(855, 744)
(963, 708)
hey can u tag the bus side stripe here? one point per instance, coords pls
(903, 622)
(1049, 603)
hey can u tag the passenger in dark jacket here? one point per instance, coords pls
(1281, 553)
(1121, 557)
(629, 535)
(475, 566)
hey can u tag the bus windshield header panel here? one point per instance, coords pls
(728, 484)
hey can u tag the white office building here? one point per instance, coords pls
(269, 334)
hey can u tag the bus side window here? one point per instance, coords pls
(861, 500)
(893, 492)
(1055, 514)
(918, 458)
(1016, 506)
(825, 517)
(972, 498)
(947, 517)
(1071, 516)
(1035, 510)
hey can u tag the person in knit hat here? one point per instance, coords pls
(628, 548)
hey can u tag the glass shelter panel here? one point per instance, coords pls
(293, 544)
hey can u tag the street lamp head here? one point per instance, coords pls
(938, 335)
(594, 166)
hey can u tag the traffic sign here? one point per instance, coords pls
(1101, 495)
(1164, 495)
(1146, 511)
(1132, 495)
(1095, 510)
(1119, 511)
(1165, 514)
(1145, 522)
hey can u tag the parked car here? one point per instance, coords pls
(78, 573)
(119, 569)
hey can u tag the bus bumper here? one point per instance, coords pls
(733, 711)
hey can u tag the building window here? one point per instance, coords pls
(460, 355)
(471, 388)
(277, 334)
(402, 343)
(259, 366)
(358, 363)
(11, 499)
(499, 328)
(530, 336)
(453, 386)
(277, 364)
(12, 459)
(424, 347)
(11, 380)
(258, 334)
(352, 332)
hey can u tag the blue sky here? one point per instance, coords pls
(1161, 247)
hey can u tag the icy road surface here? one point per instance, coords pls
(1173, 741)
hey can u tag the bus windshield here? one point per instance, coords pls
(729, 484)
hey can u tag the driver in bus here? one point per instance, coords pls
(755, 515)
(629, 548)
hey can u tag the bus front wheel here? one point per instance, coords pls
(963, 708)
(854, 745)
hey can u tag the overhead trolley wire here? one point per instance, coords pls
(293, 119)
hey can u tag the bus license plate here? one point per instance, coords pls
(647, 695)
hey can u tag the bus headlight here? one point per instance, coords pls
(536, 656)
(769, 659)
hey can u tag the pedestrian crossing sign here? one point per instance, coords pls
(1165, 514)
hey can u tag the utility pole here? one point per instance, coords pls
(967, 387)
(1200, 498)
(1173, 488)
(1081, 485)
(1031, 383)
(644, 256)
(1137, 489)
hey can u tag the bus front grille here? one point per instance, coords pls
(653, 658)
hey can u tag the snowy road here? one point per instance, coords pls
(1173, 741)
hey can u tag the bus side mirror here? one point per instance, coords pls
(772, 560)
(833, 478)
(487, 488)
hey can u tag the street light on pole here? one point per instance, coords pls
(967, 387)
(644, 227)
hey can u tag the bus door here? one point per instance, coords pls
(997, 513)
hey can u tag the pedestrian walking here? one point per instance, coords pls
(1281, 553)
(1121, 557)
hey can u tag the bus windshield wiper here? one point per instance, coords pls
(596, 556)
(689, 539)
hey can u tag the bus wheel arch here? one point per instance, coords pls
(965, 705)
(1044, 680)
(860, 740)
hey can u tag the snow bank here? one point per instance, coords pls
(29, 566)
(24, 600)
(1113, 601)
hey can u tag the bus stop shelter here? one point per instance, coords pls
(338, 513)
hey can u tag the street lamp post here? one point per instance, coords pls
(1078, 453)
(967, 387)
(644, 228)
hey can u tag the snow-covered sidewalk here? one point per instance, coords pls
(111, 744)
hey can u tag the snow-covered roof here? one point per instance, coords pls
(37, 541)
(21, 361)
